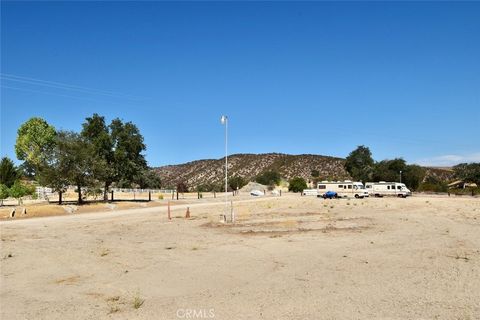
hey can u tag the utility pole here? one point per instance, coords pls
(400, 176)
(224, 120)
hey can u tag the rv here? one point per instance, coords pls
(345, 188)
(382, 188)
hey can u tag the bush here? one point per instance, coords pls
(182, 187)
(433, 187)
(4, 193)
(235, 183)
(160, 196)
(94, 192)
(269, 178)
(297, 184)
(19, 190)
(466, 191)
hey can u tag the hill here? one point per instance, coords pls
(248, 166)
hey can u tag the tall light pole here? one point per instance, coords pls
(224, 120)
(400, 176)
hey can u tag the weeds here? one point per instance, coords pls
(114, 309)
(113, 299)
(8, 256)
(137, 302)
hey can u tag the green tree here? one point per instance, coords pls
(236, 182)
(413, 176)
(34, 138)
(469, 172)
(297, 184)
(53, 173)
(182, 187)
(269, 178)
(8, 172)
(434, 184)
(120, 146)
(76, 161)
(315, 173)
(96, 132)
(19, 190)
(4, 193)
(149, 179)
(128, 150)
(359, 164)
(389, 170)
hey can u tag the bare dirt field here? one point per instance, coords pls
(289, 257)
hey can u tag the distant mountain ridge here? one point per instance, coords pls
(248, 166)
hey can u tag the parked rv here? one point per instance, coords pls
(343, 189)
(382, 188)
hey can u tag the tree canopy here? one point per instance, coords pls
(470, 172)
(34, 138)
(389, 170)
(236, 182)
(359, 164)
(8, 172)
(297, 184)
(269, 178)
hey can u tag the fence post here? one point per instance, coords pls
(177, 194)
(149, 195)
(169, 217)
(173, 194)
(111, 196)
(59, 197)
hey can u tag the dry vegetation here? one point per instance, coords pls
(289, 257)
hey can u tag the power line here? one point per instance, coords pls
(63, 86)
(50, 93)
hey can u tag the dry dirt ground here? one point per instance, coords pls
(290, 257)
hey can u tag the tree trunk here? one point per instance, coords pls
(60, 197)
(105, 191)
(80, 200)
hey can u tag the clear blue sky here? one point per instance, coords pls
(401, 78)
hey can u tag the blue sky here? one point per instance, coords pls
(313, 77)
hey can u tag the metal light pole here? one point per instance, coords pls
(224, 120)
(400, 176)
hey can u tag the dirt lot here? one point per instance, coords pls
(286, 258)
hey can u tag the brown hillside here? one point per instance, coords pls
(249, 166)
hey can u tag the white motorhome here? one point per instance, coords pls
(382, 188)
(345, 188)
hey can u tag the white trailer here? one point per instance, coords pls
(345, 188)
(382, 188)
(310, 192)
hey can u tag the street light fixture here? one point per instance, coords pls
(400, 176)
(224, 120)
